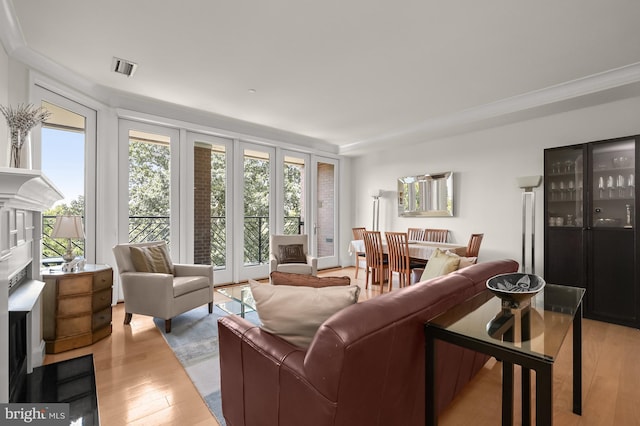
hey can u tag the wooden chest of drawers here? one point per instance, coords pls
(76, 307)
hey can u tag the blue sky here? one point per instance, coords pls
(63, 161)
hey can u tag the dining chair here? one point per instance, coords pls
(377, 261)
(359, 255)
(436, 235)
(399, 260)
(474, 245)
(415, 234)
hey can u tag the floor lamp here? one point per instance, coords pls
(527, 183)
(375, 193)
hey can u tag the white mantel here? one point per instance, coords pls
(27, 189)
(24, 195)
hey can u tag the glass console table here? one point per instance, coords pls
(530, 337)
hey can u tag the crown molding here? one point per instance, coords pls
(514, 107)
(10, 31)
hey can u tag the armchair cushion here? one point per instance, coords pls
(291, 253)
(294, 313)
(151, 259)
(188, 284)
(286, 278)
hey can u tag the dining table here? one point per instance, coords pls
(421, 250)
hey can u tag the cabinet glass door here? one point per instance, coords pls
(564, 187)
(613, 183)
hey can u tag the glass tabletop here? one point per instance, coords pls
(538, 330)
(240, 294)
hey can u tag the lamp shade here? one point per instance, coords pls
(68, 227)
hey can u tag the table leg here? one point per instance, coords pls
(544, 395)
(507, 393)
(577, 361)
(526, 373)
(507, 383)
(430, 380)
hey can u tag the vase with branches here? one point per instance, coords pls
(21, 120)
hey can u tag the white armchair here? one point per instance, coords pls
(162, 295)
(289, 253)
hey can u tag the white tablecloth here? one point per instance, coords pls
(417, 249)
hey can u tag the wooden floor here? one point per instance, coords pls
(141, 382)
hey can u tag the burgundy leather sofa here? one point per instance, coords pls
(365, 365)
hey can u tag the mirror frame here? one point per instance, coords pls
(433, 195)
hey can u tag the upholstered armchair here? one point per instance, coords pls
(154, 286)
(289, 253)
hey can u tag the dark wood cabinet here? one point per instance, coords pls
(590, 237)
(77, 307)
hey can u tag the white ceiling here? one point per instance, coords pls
(353, 72)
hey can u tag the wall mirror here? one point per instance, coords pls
(426, 195)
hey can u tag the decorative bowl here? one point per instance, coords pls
(515, 289)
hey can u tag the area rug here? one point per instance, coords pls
(194, 340)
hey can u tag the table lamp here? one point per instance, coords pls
(68, 227)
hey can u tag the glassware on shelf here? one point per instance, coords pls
(611, 186)
(621, 186)
(631, 183)
(570, 221)
(571, 190)
(568, 166)
(579, 190)
(601, 187)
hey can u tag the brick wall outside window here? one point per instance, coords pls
(202, 206)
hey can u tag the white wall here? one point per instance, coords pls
(486, 164)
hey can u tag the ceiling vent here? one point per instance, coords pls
(122, 66)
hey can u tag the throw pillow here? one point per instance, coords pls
(464, 261)
(287, 278)
(151, 259)
(439, 264)
(295, 313)
(291, 253)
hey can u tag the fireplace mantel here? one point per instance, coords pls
(26, 189)
(24, 195)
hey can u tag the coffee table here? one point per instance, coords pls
(241, 299)
(530, 337)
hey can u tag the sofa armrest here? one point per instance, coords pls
(250, 361)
